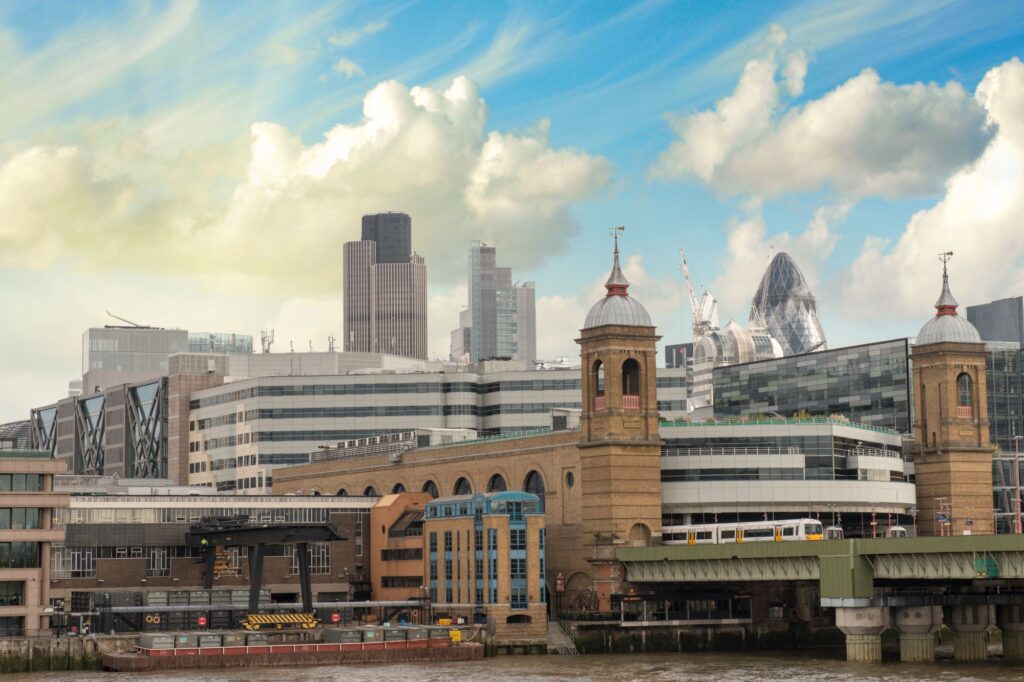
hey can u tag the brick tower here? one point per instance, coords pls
(620, 445)
(953, 455)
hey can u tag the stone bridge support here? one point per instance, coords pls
(1010, 619)
(969, 623)
(917, 626)
(863, 626)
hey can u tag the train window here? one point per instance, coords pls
(788, 531)
(728, 534)
(703, 535)
(759, 533)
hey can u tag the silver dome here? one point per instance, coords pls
(618, 310)
(947, 329)
(617, 307)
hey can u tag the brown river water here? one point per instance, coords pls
(605, 668)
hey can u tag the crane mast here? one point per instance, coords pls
(705, 312)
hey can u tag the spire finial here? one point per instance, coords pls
(617, 284)
(946, 304)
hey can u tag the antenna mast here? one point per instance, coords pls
(134, 324)
(266, 339)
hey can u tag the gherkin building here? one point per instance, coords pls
(784, 306)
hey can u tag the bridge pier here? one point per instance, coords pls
(863, 626)
(969, 623)
(917, 626)
(1010, 619)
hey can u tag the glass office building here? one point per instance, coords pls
(1006, 421)
(869, 384)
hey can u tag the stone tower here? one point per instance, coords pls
(620, 446)
(953, 455)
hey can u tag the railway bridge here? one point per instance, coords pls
(911, 584)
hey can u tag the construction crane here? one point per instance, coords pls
(705, 312)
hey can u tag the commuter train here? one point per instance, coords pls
(757, 531)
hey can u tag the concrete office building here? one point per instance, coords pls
(126, 355)
(841, 472)
(502, 313)
(240, 432)
(1001, 320)
(385, 296)
(28, 504)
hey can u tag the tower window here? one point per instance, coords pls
(598, 381)
(631, 384)
(964, 399)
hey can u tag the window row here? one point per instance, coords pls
(20, 518)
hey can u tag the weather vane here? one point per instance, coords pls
(944, 257)
(614, 232)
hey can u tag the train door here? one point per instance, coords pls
(691, 538)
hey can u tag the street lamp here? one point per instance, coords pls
(1016, 473)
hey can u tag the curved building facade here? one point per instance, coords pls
(785, 307)
(730, 346)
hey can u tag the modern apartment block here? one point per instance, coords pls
(27, 530)
(1001, 320)
(385, 297)
(502, 313)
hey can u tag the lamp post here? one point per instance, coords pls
(1016, 474)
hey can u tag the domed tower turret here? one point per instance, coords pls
(620, 447)
(953, 454)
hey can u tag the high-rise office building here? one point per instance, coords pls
(784, 306)
(385, 289)
(1001, 320)
(502, 313)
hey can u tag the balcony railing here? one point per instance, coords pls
(631, 402)
(964, 412)
(599, 402)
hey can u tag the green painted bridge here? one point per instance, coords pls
(846, 569)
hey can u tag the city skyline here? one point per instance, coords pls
(166, 188)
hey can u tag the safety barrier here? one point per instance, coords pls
(256, 621)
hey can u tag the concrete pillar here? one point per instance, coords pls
(1010, 619)
(863, 626)
(969, 623)
(917, 626)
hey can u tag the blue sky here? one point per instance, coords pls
(199, 164)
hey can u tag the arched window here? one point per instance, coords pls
(342, 492)
(631, 384)
(598, 381)
(964, 399)
(370, 491)
(496, 484)
(431, 487)
(534, 483)
(398, 488)
(462, 487)
(963, 390)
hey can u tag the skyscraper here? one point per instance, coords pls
(385, 289)
(784, 306)
(502, 314)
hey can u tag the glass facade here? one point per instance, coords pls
(869, 384)
(217, 342)
(1003, 381)
(785, 307)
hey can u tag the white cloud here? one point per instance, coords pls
(867, 137)
(978, 218)
(348, 68)
(351, 36)
(280, 220)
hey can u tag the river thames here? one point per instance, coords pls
(607, 668)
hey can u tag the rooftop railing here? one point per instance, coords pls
(793, 422)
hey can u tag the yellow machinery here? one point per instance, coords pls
(279, 621)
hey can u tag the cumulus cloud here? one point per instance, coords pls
(348, 68)
(111, 201)
(350, 36)
(978, 218)
(867, 137)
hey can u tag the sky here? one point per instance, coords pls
(199, 165)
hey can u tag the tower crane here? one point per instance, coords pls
(705, 312)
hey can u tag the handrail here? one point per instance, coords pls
(809, 420)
